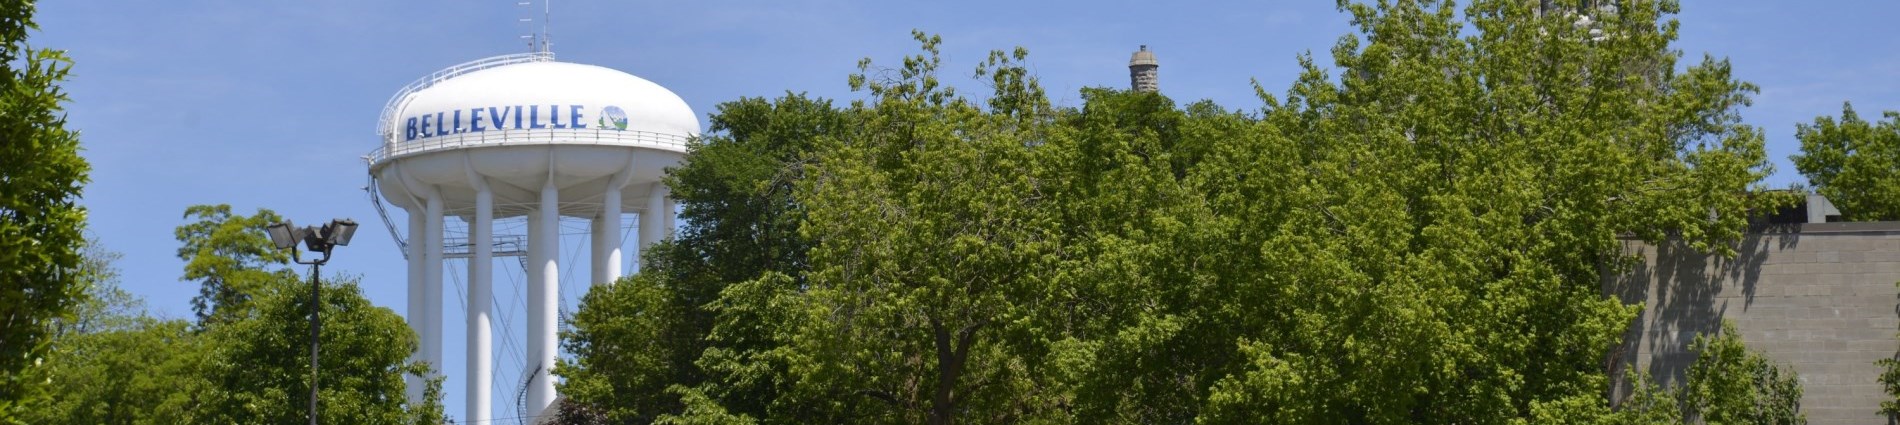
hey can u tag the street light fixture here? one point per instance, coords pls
(317, 239)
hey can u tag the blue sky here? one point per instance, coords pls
(271, 104)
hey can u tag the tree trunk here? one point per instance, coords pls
(952, 353)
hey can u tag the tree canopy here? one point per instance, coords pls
(259, 366)
(741, 221)
(1852, 162)
(230, 257)
(1422, 238)
(245, 359)
(41, 221)
(1418, 231)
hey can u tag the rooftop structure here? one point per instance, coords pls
(1144, 72)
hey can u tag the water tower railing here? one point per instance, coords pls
(386, 127)
(663, 141)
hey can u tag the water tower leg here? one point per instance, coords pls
(667, 213)
(480, 298)
(537, 254)
(417, 309)
(607, 238)
(432, 284)
(655, 220)
(596, 257)
(543, 294)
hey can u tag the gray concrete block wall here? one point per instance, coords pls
(1818, 297)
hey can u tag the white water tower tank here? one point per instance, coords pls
(522, 136)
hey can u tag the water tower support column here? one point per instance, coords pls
(668, 209)
(537, 254)
(432, 284)
(543, 293)
(481, 275)
(607, 239)
(416, 306)
(607, 230)
(656, 221)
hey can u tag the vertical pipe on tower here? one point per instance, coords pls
(432, 283)
(480, 298)
(542, 298)
(417, 309)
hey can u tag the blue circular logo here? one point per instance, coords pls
(613, 117)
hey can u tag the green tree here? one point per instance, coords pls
(109, 338)
(40, 218)
(248, 369)
(260, 371)
(1422, 239)
(1852, 163)
(1140, 245)
(106, 306)
(1727, 384)
(742, 185)
(231, 258)
(1459, 198)
(929, 227)
(629, 345)
(113, 363)
(1730, 384)
(735, 188)
(253, 315)
(1647, 404)
(143, 371)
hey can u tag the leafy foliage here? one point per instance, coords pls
(623, 364)
(1457, 199)
(41, 221)
(741, 222)
(259, 366)
(231, 258)
(140, 374)
(930, 227)
(1649, 404)
(109, 338)
(252, 368)
(1728, 384)
(254, 316)
(1852, 163)
(248, 363)
(1422, 239)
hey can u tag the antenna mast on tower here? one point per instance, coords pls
(538, 41)
(547, 39)
(527, 22)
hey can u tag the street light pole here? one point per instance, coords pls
(319, 239)
(316, 322)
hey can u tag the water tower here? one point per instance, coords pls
(521, 138)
